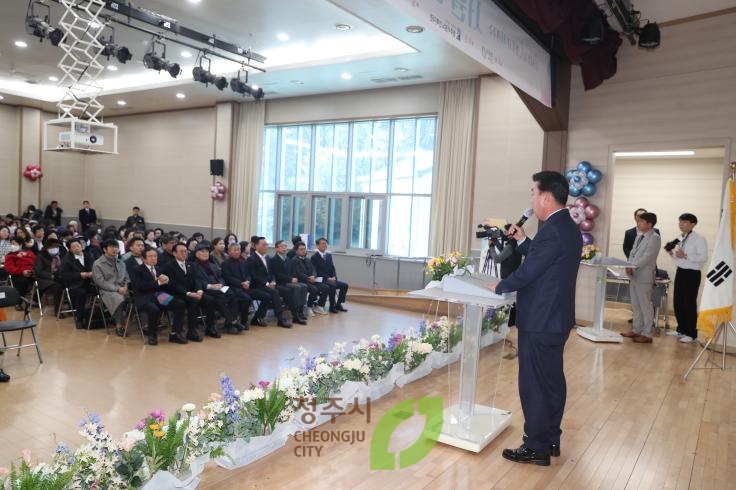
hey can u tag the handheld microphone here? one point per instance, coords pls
(527, 214)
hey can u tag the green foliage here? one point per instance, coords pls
(40, 477)
(129, 466)
(162, 447)
(268, 409)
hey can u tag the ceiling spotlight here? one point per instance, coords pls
(343, 27)
(346, 76)
(56, 36)
(52, 78)
(414, 29)
(649, 36)
(21, 44)
(121, 102)
(242, 87)
(111, 49)
(282, 36)
(153, 61)
(180, 95)
(205, 76)
(112, 67)
(38, 23)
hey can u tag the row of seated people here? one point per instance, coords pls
(275, 282)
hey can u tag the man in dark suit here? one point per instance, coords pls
(261, 280)
(136, 221)
(150, 298)
(181, 286)
(236, 276)
(630, 235)
(301, 267)
(134, 257)
(87, 216)
(325, 268)
(545, 285)
(75, 273)
(288, 285)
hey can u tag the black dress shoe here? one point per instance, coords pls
(4, 377)
(178, 338)
(258, 322)
(554, 449)
(243, 326)
(120, 331)
(212, 332)
(334, 310)
(152, 340)
(300, 320)
(194, 337)
(526, 455)
(340, 307)
(232, 329)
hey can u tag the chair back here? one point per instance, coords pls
(8, 297)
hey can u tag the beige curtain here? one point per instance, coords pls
(453, 168)
(246, 169)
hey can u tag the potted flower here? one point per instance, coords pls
(443, 335)
(590, 253)
(414, 354)
(494, 324)
(452, 263)
(369, 364)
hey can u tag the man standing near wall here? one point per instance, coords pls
(545, 284)
(689, 255)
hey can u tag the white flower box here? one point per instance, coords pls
(319, 419)
(417, 373)
(348, 391)
(442, 359)
(240, 453)
(396, 372)
(375, 389)
(165, 480)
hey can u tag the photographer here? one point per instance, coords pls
(502, 254)
(689, 252)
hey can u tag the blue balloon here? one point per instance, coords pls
(594, 176)
(573, 191)
(569, 174)
(589, 189)
(584, 166)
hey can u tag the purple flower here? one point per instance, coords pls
(395, 340)
(309, 365)
(423, 328)
(159, 415)
(230, 397)
(141, 425)
(264, 384)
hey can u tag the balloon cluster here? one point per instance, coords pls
(33, 172)
(582, 179)
(584, 213)
(217, 191)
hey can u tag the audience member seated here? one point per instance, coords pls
(192, 247)
(198, 236)
(301, 267)
(166, 251)
(46, 271)
(93, 243)
(133, 258)
(39, 235)
(111, 278)
(288, 285)
(150, 298)
(149, 237)
(19, 264)
(325, 268)
(135, 221)
(236, 276)
(295, 241)
(219, 254)
(262, 281)
(32, 214)
(5, 247)
(208, 280)
(181, 286)
(75, 273)
(230, 238)
(52, 216)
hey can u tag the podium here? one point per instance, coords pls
(597, 333)
(468, 425)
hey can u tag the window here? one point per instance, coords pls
(363, 185)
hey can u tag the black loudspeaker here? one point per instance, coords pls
(217, 167)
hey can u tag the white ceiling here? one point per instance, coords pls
(371, 52)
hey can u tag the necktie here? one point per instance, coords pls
(638, 241)
(183, 268)
(153, 272)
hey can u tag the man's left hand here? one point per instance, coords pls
(491, 286)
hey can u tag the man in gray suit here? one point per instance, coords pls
(641, 279)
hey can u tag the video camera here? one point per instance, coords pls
(670, 246)
(490, 232)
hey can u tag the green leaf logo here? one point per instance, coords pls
(381, 458)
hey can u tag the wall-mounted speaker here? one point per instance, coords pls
(217, 167)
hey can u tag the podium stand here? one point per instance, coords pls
(468, 425)
(597, 333)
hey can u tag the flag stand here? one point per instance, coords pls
(723, 330)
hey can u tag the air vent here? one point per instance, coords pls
(384, 80)
(411, 77)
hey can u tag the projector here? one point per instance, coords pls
(86, 139)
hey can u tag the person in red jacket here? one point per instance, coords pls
(19, 264)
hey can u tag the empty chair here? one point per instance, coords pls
(9, 297)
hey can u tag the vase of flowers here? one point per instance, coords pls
(452, 263)
(590, 253)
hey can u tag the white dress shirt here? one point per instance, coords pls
(696, 251)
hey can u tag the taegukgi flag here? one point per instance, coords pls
(716, 305)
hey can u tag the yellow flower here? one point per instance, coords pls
(154, 427)
(159, 433)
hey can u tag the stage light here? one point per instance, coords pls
(56, 36)
(36, 26)
(242, 87)
(202, 75)
(153, 61)
(121, 53)
(649, 36)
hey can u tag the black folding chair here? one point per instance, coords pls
(9, 297)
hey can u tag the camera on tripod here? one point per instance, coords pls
(670, 246)
(491, 232)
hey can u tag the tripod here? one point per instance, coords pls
(721, 329)
(490, 264)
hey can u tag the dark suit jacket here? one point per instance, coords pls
(323, 267)
(201, 279)
(144, 286)
(259, 275)
(235, 272)
(180, 283)
(301, 268)
(545, 281)
(87, 218)
(53, 215)
(70, 269)
(279, 269)
(42, 267)
(131, 264)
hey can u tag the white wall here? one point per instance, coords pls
(9, 134)
(509, 151)
(681, 94)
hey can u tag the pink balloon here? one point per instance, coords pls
(581, 202)
(592, 211)
(588, 239)
(587, 225)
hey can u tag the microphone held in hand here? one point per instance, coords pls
(527, 214)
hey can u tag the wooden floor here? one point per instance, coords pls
(630, 421)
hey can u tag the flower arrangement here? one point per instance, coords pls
(268, 403)
(441, 334)
(589, 252)
(438, 267)
(162, 442)
(369, 361)
(415, 354)
(322, 375)
(494, 319)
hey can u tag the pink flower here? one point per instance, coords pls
(26, 454)
(158, 415)
(4, 472)
(215, 397)
(264, 384)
